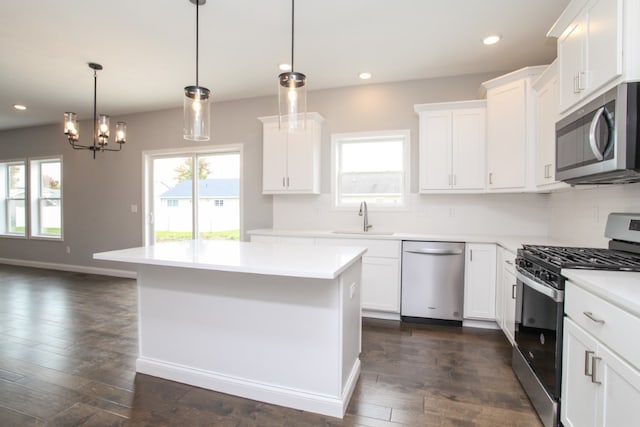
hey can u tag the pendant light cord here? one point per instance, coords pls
(292, 26)
(95, 110)
(197, 37)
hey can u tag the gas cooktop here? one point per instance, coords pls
(556, 258)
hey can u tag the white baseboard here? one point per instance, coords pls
(373, 314)
(69, 267)
(483, 324)
(269, 393)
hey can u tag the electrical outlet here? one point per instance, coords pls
(352, 290)
(134, 208)
(452, 212)
(68, 250)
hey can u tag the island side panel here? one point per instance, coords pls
(351, 327)
(260, 330)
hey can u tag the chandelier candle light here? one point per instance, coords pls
(197, 117)
(100, 124)
(292, 91)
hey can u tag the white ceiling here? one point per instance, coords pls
(147, 48)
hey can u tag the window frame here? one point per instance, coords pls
(36, 198)
(5, 195)
(338, 138)
(147, 171)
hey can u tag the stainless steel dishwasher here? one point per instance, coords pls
(432, 281)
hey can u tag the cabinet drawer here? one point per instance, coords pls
(618, 328)
(375, 248)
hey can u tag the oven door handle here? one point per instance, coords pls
(553, 293)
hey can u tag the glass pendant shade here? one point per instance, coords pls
(71, 126)
(292, 100)
(197, 113)
(103, 129)
(121, 132)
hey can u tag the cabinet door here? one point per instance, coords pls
(509, 305)
(579, 392)
(435, 150)
(500, 286)
(468, 149)
(546, 115)
(274, 158)
(506, 135)
(604, 42)
(381, 284)
(480, 281)
(300, 159)
(571, 62)
(619, 400)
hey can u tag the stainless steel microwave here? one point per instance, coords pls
(600, 142)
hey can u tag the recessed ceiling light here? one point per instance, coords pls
(491, 40)
(284, 67)
(19, 107)
(364, 75)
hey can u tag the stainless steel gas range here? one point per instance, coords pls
(537, 356)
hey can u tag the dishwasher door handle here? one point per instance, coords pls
(428, 251)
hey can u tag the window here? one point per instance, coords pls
(12, 193)
(371, 167)
(184, 191)
(46, 197)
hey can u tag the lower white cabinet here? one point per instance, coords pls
(600, 372)
(380, 273)
(598, 387)
(380, 269)
(480, 281)
(505, 292)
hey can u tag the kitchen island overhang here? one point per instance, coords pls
(278, 323)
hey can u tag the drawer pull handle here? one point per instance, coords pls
(594, 365)
(592, 317)
(509, 262)
(513, 291)
(587, 363)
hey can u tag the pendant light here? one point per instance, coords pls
(100, 124)
(197, 110)
(292, 91)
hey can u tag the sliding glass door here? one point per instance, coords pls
(193, 195)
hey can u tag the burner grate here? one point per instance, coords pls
(586, 258)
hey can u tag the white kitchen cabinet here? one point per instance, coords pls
(590, 50)
(480, 281)
(601, 372)
(511, 130)
(505, 292)
(452, 146)
(599, 388)
(546, 91)
(291, 158)
(380, 274)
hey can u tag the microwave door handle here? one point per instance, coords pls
(592, 134)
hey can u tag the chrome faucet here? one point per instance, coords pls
(364, 212)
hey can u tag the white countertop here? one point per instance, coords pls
(620, 288)
(511, 243)
(319, 262)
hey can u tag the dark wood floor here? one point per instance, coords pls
(68, 345)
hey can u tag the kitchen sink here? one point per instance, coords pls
(364, 233)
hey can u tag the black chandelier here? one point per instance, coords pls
(100, 125)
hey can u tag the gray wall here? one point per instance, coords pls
(98, 194)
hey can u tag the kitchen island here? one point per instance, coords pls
(271, 322)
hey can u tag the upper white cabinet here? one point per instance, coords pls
(480, 281)
(546, 115)
(291, 159)
(597, 44)
(511, 130)
(452, 146)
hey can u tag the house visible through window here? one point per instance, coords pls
(172, 203)
(371, 167)
(46, 197)
(12, 193)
